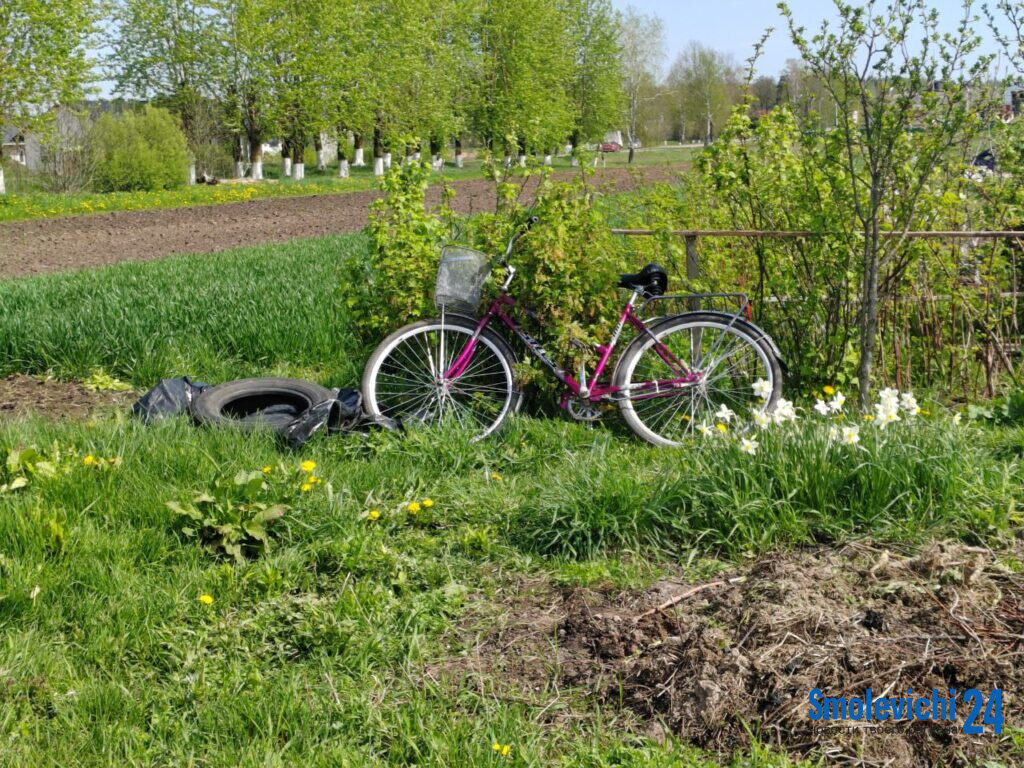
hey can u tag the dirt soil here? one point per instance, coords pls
(60, 244)
(21, 395)
(745, 650)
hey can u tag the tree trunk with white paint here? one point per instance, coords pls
(568, 148)
(437, 163)
(357, 145)
(318, 145)
(3, 186)
(286, 167)
(387, 161)
(298, 171)
(239, 169)
(378, 153)
(547, 159)
(191, 174)
(256, 157)
(343, 168)
(458, 153)
(522, 161)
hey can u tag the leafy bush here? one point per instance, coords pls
(142, 150)
(567, 265)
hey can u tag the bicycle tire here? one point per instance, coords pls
(417, 404)
(746, 334)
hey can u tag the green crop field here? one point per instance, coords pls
(127, 642)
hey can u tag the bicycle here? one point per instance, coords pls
(678, 372)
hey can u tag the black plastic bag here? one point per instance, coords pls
(170, 397)
(342, 413)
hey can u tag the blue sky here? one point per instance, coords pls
(735, 25)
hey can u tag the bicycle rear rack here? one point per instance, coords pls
(695, 302)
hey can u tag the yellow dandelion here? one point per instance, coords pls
(305, 488)
(721, 428)
(869, 417)
(427, 503)
(308, 466)
(505, 750)
(267, 469)
(828, 390)
(414, 507)
(496, 477)
(206, 599)
(496, 747)
(373, 514)
(89, 460)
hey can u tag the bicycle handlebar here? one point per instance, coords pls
(522, 231)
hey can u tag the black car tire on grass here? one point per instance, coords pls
(257, 403)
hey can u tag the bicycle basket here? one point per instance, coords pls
(460, 279)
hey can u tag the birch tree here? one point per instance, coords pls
(705, 84)
(643, 49)
(43, 61)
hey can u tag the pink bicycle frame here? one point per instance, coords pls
(599, 392)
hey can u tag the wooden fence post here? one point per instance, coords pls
(692, 267)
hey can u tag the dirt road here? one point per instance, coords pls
(54, 245)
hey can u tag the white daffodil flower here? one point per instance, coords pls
(725, 414)
(851, 435)
(821, 407)
(909, 403)
(748, 446)
(784, 411)
(762, 389)
(762, 419)
(836, 404)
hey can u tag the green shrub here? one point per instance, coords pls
(567, 266)
(140, 151)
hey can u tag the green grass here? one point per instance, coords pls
(324, 650)
(280, 309)
(36, 204)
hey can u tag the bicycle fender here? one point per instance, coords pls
(755, 330)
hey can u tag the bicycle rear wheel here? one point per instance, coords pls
(405, 377)
(730, 356)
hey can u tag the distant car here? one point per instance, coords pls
(611, 146)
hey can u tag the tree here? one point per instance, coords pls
(519, 97)
(596, 87)
(165, 50)
(642, 39)
(901, 106)
(705, 83)
(43, 60)
(765, 92)
(243, 73)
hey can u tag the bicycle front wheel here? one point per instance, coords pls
(431, 372)
(723, 359)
